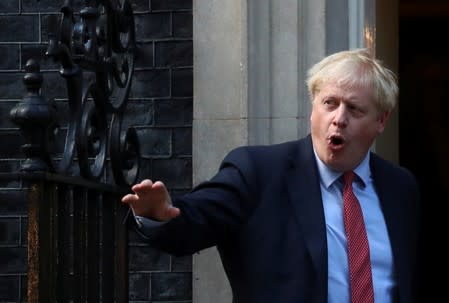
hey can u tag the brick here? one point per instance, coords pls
(171, 286)
(11, 86)
(13, 260)
(174, 53)
(144, 55)
(23, 28)
(5, 118)
(9, 6)
(37, 52)
(33, 6)
(150, 26)
(174, 172)
(151, 84)
(13, 148)
(182, 141)
(8, 183)
(182, 82)
(181, 264)
(9, 231)
(140, 5)
(171, 112)
(154, 142)
(139, 112)
(9, 288)
(23, 288)
(134, 238)
(8, 166)
(182, 24)
(145, 171)
(171, 4)
(11, 52)
(54, 86)
(50, 25)
(145, 258)
(23, 231)
(139, 287)
(13, 202)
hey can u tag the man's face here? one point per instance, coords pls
(344, 124)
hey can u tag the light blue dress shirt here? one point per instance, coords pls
(384, 280)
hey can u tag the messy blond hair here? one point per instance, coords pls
(353, 68)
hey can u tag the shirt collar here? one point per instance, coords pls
(328, 176)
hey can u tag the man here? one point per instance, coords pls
(281, 215)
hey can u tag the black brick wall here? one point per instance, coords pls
(160, 107)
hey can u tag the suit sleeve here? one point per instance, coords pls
(213, 211)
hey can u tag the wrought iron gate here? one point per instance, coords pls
(77, 241)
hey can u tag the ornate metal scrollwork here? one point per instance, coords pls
(95, 49)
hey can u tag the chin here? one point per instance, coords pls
(336, 165)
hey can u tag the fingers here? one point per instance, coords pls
(142, 186)
(129, 198)
(147, 190)
(172, 212)
(151, 200)
(147, 186)
(141, 190)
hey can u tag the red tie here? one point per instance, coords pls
(361, 283)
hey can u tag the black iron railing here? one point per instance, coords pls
(77, 241)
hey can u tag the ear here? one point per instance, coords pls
(382, 120)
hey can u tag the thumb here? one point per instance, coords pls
(172, 212)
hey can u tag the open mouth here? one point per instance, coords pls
(336, 141)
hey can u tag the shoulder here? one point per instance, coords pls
(387, 169)
(267, 154)
(260, 161)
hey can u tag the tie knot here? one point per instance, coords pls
(348, 177)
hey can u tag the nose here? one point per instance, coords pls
(340, 116)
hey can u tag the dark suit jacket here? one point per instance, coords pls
(263, 211)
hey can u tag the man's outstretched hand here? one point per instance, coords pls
(152, 201)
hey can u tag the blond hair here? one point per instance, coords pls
(352, 68)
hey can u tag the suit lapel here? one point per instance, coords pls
(305, 198)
